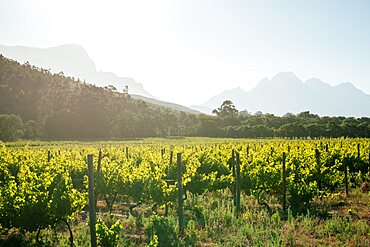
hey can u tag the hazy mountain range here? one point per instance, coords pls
(283, 93)
(287, 93)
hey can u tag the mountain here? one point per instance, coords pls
(166, 104)
(74, 61)
(285, 92)
(202, 109)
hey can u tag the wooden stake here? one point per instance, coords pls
(98, 171)
(49, 156)
(180, 210)
(284, 183)
(237, 185)
(234, 175)
(318, 161)
(358, 150)
(91, 200)
(345, 175)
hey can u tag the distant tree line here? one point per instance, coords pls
(232, 123)
(36, 104)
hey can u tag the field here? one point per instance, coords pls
(187, 192)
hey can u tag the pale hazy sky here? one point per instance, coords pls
(186, 51)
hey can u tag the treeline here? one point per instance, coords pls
(231, 123)
(36, 104)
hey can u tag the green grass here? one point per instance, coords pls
(211, 221)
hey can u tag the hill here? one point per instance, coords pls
(173, 106)
(73, 61)
(57, 106)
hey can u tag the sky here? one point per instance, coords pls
(185, 51)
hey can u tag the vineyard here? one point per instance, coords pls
(186, 192)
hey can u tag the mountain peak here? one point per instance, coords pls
(346, 85)
(70, 49)
(286, 79)
(285, 76)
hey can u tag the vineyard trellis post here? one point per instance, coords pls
(237, 185)
(98, 172)
(318, 161)
(234, 175)
(49, 155)
(284, 182)
(168, 171)
(162, 153)
(358, 150)
(345, 175)
(180, 210)
(92, 214)
(171, 157)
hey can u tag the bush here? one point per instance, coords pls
(108, 237)
(164, 229)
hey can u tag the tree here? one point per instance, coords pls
(11, 127)
(227, 109)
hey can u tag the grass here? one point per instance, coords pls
(211, 221)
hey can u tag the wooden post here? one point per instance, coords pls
(98, 171)
(180, 210)
(91, 200)
(168, 172)
(99, 160)
(126, 152)
(162, 155)
(247, 152)
(327, 147)
(49, 156)
(358, 151)
(171, 157)
(237, 185)
(234, 175)
(318, 161)
(284, 183)
(345, 175)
